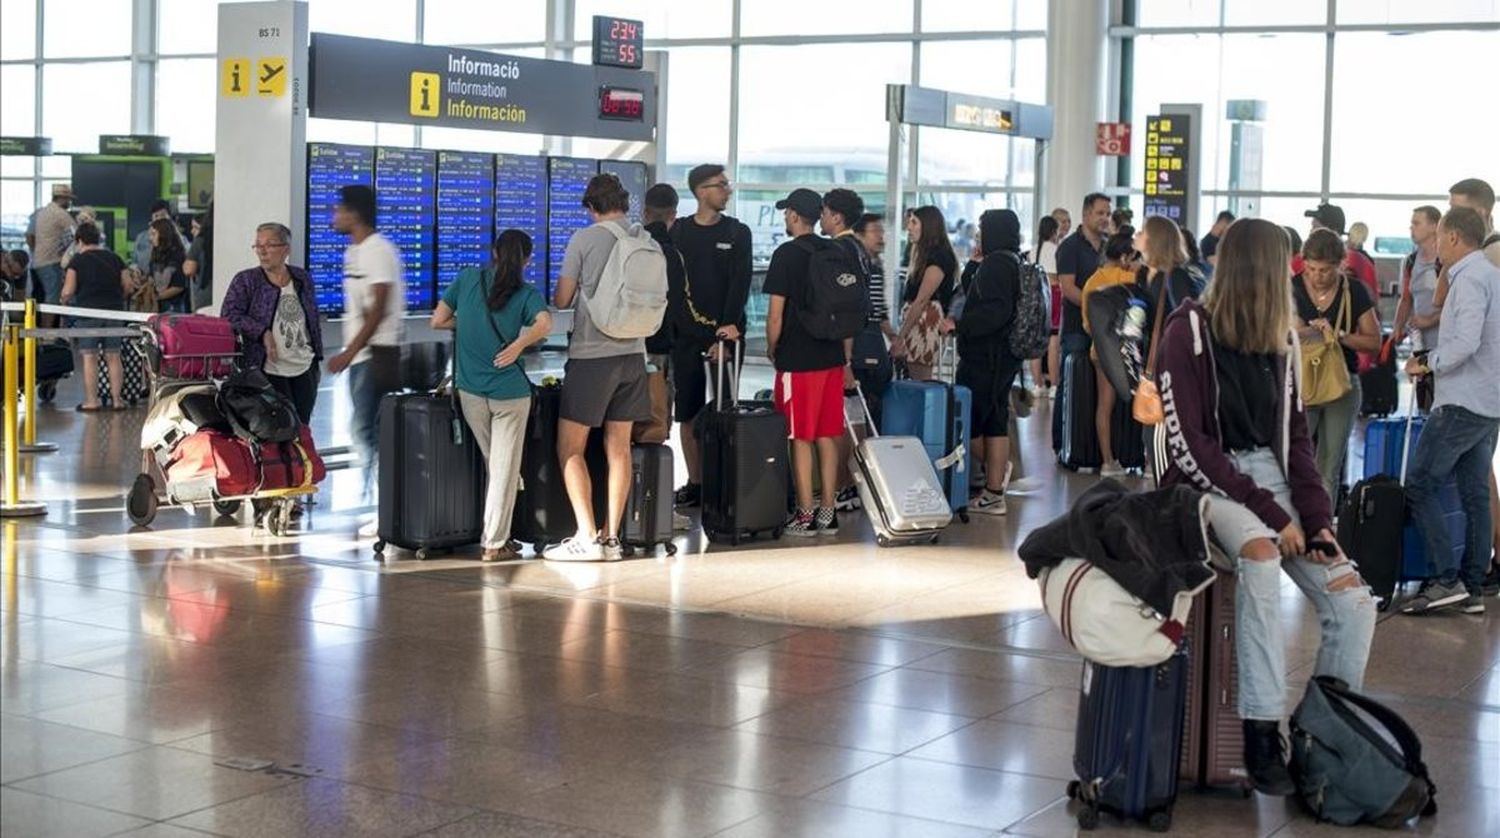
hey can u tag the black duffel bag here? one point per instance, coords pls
(255, 410)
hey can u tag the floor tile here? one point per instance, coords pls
(812, 819)
(1025, 669)
(977, 797)
(498, 825)
(696, 700)
(939, 692)
(1019, 749)
(26, 814)
(29, 747)
(324, 807)
(868, 727)
(1056, 708)
(770, 670)
(775, 765)
(648, 807)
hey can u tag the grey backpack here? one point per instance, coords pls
(1356, 761)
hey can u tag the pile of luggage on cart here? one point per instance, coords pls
(217, 435)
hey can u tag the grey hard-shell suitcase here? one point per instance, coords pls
(899, 488)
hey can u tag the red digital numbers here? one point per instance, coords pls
(618, 42)
(628, 55)
(626, 30)
(621, 103)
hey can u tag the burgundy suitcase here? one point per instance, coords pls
(1213, 741)
(194, 345)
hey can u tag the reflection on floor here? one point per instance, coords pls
(205, 678)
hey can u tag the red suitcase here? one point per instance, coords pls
(1213, 740)
(286, 465)
(193, 346)
(210, 464)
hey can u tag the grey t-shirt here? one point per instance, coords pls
(587, 254)
(1424, 283)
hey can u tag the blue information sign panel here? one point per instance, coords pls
(331, 167)
(521, 204)
(465, 213)
(567, 178)
(406, 208)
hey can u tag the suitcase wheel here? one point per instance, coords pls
(1088, 817)
(422, 554)
(882, 541)
(380, 551)
(963, 515)
(1159, 821)
(227, 507)
(1072, 789)
(142, 502)
(671, 549)
(47, 391)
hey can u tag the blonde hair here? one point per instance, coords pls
(1359, 233)
(1165, 249)
(1250, 300)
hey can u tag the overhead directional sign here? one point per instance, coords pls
(914, 105)
(387, 81)
(1167, 171)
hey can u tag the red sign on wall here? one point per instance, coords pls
(1112, 139)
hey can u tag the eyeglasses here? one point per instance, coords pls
(268, 246)
(723, 184)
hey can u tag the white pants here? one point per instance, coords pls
(499, 426)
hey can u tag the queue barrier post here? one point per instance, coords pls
(29, 347)
(13, 506)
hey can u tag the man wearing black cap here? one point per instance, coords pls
(716, 252)
(810, 373)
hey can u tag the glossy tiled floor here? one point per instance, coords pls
(204, 678)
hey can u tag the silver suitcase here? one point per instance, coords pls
(899, 488)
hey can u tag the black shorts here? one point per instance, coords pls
(991, 388)
(690, 380)
(599, 390)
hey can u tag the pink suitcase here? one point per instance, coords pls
(194, 346)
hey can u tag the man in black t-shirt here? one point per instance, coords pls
(716, 251)
(1078, 257)
(810, 373)
(1209, 248)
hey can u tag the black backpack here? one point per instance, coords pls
(836, 301)
(255, 410)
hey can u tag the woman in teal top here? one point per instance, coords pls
(496, 315)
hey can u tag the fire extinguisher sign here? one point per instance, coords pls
(1112, 139)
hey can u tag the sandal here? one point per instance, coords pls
(83, 408)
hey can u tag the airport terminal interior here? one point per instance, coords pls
(315, 652)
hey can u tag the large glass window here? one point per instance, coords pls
(697, 110)
(393, 20)
(1418, 11)
(187, 26)
(17, 200)
(1289, 78)
(968, 16)
(1178, 12)
(185, 101)
(18, 30)
(467, 22)
(82, 101)
(662, 18)
(18, 117)
(1276, 12)
(1401, 124)
(798, 17)
(73, 30)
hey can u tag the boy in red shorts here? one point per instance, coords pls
(810, 373)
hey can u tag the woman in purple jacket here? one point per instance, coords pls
(1236, 430)
(273, 309)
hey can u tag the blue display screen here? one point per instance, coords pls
(567, 179)
(632, 175)
(406, 207)
(521, 204)
(465, 213)
(329, 168)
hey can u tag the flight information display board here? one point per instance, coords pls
(632, 175)
(521, 203)
(406, 209)
(567, 179)
(331, 167)
(465, 213)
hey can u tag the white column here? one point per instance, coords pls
(1077, 60)
(260, 157)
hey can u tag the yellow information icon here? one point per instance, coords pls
(270, 76)
(236, 78)
(425, 94)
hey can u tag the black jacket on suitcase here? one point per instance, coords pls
(432, 479)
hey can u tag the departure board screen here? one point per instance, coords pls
(329, 168)
(406, 209)
(632, 175)
(465, 213)
(521, 203)
(567, 178)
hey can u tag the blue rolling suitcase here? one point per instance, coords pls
(939, 415)
(1387, 452)
(1128, 746)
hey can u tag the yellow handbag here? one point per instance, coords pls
(1325, 375)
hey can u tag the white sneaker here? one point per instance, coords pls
(988, 503)
(1112, 469)
(370, 529)
(681, 522)
(575, 549)
(1051, 392)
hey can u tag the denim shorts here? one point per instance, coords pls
(95, 344)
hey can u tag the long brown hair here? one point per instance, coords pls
(1165, 249)
(511, 250)
(168, 249)
(1249, 301)
(932, 241)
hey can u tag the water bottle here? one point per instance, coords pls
(1134, 328)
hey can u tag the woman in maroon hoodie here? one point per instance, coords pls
(1237, 430)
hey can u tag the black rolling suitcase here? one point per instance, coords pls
(745, 469)
(1128, 437)
(543, 513)
(1074, 436)
(432, 478)
(1129, 741)
(648, 509)
(1378, 389)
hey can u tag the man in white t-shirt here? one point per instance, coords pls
(374, 303)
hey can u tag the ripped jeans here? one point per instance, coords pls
(1346, 611)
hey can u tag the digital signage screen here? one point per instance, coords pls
(465, 213)
(567, 178)
(521, 203)
(406, 209)
(331, 167)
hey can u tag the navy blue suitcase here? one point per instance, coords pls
(1128, 748)
(939, 415)
(1074, 436)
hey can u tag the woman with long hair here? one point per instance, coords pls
(1237, 431)
(930, 283)
(496, 316)
(167, 257)
(1044, 254)
(1165, 256)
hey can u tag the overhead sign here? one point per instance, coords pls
(1167, 170)
(1112, 139)
(387, 81)
(619, 42)
(25, 146)
(914, 105)
(135, 145)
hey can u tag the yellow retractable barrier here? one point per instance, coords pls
(29, 346)
(13, 506)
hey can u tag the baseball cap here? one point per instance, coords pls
(62, 190)
(1328, 215)
(804, 202)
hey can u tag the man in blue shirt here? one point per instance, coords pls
(1459, 439)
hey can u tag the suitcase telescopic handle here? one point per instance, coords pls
(718, 376)
(1411, 414)
(864, 405)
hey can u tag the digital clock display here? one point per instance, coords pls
(618, 42)
(624, 103)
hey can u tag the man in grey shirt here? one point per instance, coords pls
(604, 383)
(1459, 438)
(1418, 309)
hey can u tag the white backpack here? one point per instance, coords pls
(631, 297)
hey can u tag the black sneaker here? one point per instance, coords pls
(827, 520)
(1491, 586)
(1265, 758)
(847, 500)
(689, 496)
